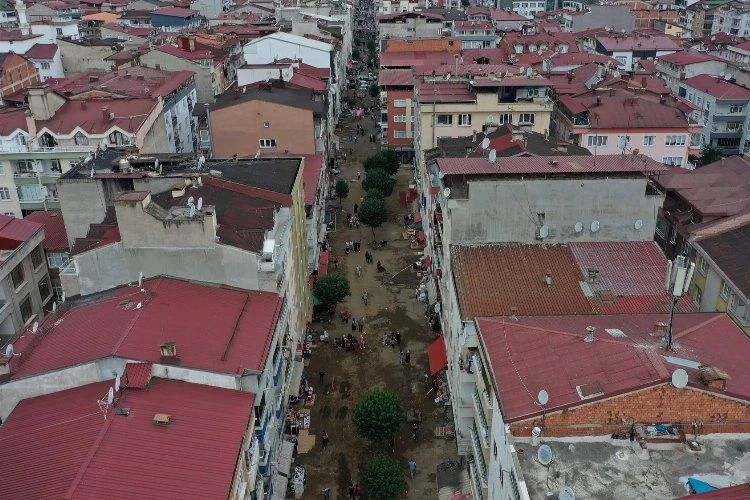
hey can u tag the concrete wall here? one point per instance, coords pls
(238, 129)
(506, 211)
(248, 75)
(413, 28)
(114, 265)
(203, 76)
(83, 202)
(78, 58)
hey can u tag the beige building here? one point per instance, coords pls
(451, 108)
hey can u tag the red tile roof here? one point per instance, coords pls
(136, 375)
(11, 120)
(445, 92)
(241, 325)
(302, 80)
(42, 51)
(413, 59)
(683, 58)
(55, 235)
(637, 43)
(195, 55)
(126, 82)
(130, 114)
(542, 164)
(548, 352)
(13, 232)
(311, 177)
(396, 77)
(579, 58)
(175, 12)
(503, 279)
(473, 25)
(717, 87)
(84, 456)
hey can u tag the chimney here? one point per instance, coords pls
(30, 125)
(562, 147)
(168, 350)
(570, 76)
(93, 78)
(43, 102)
(662, 99)
(127, 74)
(611, 92)
(105, 113)
(598, 101)
(590, 334)
(517, 135)
(162, 419)
(548, 278)
(644, 81)
(714, 377)
(553, 152)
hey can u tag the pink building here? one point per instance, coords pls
(623, 119)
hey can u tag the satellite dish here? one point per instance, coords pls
(543, 397)
(447, 192)
(578, 227)
(441, 175)
(9, 350)
(35, 327)
(191, 201)
(485, 143)
(140, 279)
(544, 455)
(595, 226)
(679, 378)
(200, 204)
(201, 161)
(117, 384)
(543, 231)
(566, 493)
(62, 298)
(192, 210)
(638, 224)
(139, 305)
(110, 396)
(493, 155)
(54, 307)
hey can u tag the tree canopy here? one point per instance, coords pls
(373, 213)
(710, 154)
(378, 415)
(342, 188)
(375, 162)
(332, 288)
(383, 478)
(374, 193)
(392, 160)
(380, 180)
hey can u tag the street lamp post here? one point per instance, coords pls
(677, 282)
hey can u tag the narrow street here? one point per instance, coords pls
(391, 307)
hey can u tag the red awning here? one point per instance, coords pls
(437, 355)
(420, 235)
(417, 217)
(136, 375)
(428, 261)
(323, 264)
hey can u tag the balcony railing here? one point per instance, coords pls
(476, 482)
(30, 175)
(69, 268)
(482, 419)
(478, 454)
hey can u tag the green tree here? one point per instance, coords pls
(378, 414)
(373, 213)
(380, 180)
(710, 154)
(374, 90)
(465, 3)
(374, 162)
(391, 159)
(374, 193)
(383, 478)
(332, 288)
(342, 188)
(371, 46)
(356, 55)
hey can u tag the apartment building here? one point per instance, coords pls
(396, 114)
(628, 49)
(679, 66)
(723, 108)
(410, 25)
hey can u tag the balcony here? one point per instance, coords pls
(719, 131)
(476, 482)
(69, 268)
(478, 454)
(482, 419)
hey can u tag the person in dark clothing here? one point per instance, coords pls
(407, 357)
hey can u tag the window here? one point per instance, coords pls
(58, 291)
(267, 143)
(266, 124)
(56, 259)
(505, 118)
(598, 141)
(118, 139)
(24, 167)
(735, 108)
(464, 120)
(400, 103)
(402, 134)
(698, 295)
(702, 265)
(674, 161)
(44, 289)
(4, 194)
(401, 119)
(59, 31)
(734, 125)
(444, 120)
(674, 140)
(10, 214)
(724, 289)
(80, 139)
(37, 256)
(649, 140)
(526, 119)
(26, 310)
(623, 141)
(623, 60)
(44, 65)
(18, 276)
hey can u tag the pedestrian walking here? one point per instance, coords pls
(357, 492)
(426, 377)
(412, 468)
(407, 357)
(398, 337)
(327, 493)
(355, 205)
(361, 325)
(322, 377)
(401, 356)
(326, 439)
(354, 325)
(364, 298)
(351, 491)
(361, 341)
(358, 270)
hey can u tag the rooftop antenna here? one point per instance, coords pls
(544, 231)
(106, 402)
(578, 227)
(140, 279)
(92, 172)
(680, 378)
(544, 456)
(35, 327)
(677, 282)
(595, 226)
(62, 298)
(200, 204)
(139, 305)
(257, 154)
(447, 192)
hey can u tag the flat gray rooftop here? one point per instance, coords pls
(603, 471)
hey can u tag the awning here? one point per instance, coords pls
(280, 480)
(323, 264)
(437, 355)
(417, 217)
(322, 233)
(699, 486)
(315, 300)
(296, 380)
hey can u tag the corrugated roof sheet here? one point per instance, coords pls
(240, 325)
(548, 352)
(136, 375)
(396, 77)
(60, 446)
(13, 232)
(311, 176)
(55, 235)
(717, 87)
(543, 165)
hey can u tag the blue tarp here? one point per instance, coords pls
(699, 486)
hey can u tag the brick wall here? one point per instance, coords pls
(18, 74)
(663, 404)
